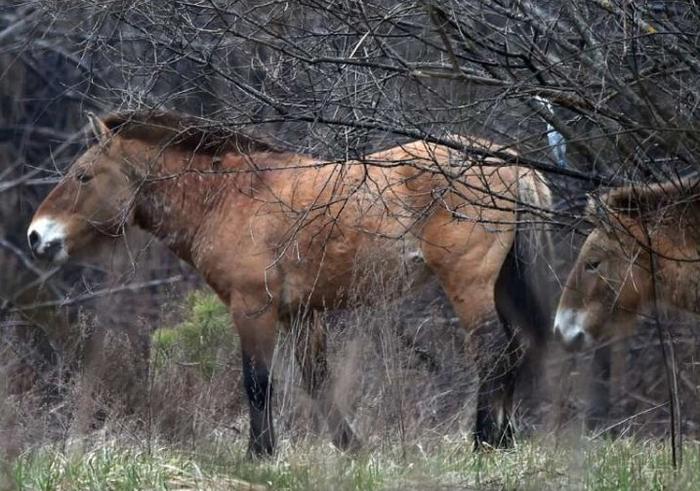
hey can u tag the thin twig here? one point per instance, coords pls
(132, 287)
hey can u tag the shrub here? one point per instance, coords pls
(204, 339)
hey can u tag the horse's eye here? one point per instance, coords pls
(592, 266)
(83, 177)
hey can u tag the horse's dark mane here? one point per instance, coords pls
(186, 132)
(641, 198)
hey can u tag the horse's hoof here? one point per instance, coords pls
(257, 451)
(346, 441)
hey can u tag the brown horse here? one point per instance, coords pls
(277, 235)
(646, 242)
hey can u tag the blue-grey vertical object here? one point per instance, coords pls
(557, 143)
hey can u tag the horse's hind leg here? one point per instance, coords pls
(496, 352)
(310, 351)
(498, 359)
(468, 272)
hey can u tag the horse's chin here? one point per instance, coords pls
(61, 258)
(57, 260)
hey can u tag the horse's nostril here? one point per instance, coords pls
(33, 239)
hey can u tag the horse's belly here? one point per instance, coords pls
(372, 270)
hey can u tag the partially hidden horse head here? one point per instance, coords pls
(642, 245)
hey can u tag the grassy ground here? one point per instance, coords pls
(449, 464)
(393, 400)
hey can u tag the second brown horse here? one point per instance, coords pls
(278, 235)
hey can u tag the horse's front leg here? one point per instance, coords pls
(257, 330)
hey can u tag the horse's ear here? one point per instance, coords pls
(598, 213)
(99, 128)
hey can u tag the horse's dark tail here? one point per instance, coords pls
(528, 278)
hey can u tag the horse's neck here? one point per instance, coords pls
(174, 210)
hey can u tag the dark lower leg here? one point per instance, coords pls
(498, 372)
(257, 329)
(140, 344)
(343, 436)
(258, 386)
(599, 397)
(310, 351)
(493, 426)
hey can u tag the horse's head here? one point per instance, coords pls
(609, 283)
(93, 200)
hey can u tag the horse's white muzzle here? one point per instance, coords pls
(569, 328)
(47, 239)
